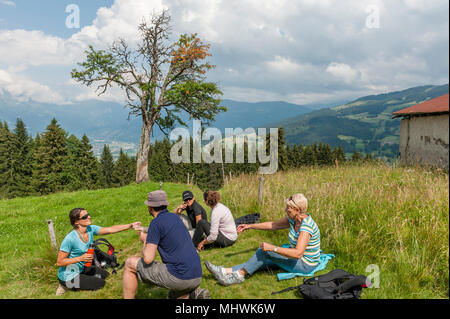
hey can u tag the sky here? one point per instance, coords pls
(297, 51)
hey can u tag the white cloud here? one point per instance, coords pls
(8, 3)
(264, 49)
(344, 72)
(23, 89)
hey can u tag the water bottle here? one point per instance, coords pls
(90, 252)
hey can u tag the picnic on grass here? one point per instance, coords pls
(179, 240)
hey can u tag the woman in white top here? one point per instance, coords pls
(222, 230)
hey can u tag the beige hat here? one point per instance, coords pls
(156, 199)
(298, 201)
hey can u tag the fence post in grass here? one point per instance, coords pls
(260, 193)
(187, 178)
(230, 176)
(52, 234)
(160, 185)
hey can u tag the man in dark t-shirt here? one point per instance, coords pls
(195, 212)
(180, 270)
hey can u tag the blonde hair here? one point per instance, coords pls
(298, 201)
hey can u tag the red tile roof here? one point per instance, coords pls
(437, 105)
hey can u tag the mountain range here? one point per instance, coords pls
(108, 123)
(364, 124)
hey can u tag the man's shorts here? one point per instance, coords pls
(157, 274)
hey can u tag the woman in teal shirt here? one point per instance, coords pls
(73, 253)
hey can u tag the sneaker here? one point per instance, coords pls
(233, 278)
(61, 290)
(217, 271)
(200, 293)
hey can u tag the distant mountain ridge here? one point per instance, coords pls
(106, 122)
(364, 124)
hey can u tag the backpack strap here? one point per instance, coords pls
(104, 241)
(284, 290)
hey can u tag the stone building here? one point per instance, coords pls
(424, 132)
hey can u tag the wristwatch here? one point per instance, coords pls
(275, 249)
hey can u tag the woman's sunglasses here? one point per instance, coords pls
(85, 216)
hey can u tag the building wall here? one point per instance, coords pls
(424, 140)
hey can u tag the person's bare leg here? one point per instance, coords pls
(130, 278)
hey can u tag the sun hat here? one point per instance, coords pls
(156, 199)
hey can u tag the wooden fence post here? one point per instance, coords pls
(160, 185)
(260, 193)
(188, 178)
(52, 234)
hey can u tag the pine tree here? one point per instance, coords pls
(49, 160)
(71, 176)
(106, 167)
(6, 172)
(89, 166)
(339, 154)
(356, 156)
(282, 153)
(324, 155)
(21, 155)
(122, 174)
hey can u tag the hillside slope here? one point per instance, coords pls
(365, 124)
(394, 218)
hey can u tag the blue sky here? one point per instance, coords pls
(47, 15)
(302, 51)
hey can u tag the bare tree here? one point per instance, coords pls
(160, 79)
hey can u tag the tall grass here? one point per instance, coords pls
(395, 218)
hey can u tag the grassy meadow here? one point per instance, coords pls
(394, 218)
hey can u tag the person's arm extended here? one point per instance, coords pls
(149, 252)
(297, 252)
(274, 225)
(115, 229)
(63, 261)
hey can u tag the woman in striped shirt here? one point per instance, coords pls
(302, 255)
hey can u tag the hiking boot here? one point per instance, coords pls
(200, 293)
(217, 271)
(61, 290)
(233, 278)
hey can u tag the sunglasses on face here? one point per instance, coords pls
(85, 216)
(187, 200)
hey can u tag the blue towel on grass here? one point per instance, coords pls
(323, 261)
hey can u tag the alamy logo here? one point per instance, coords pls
(212, 152)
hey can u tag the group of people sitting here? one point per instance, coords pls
(179, 239)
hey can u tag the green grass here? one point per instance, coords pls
(395, 218)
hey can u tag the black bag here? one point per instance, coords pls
(105, 259)
(337, 284)
(248, 219)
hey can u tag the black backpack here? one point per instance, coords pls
(248, 219)
(105, 259)
(337, 284)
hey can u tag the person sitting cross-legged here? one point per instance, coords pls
(180, 270)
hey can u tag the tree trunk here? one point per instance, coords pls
(142, 154)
